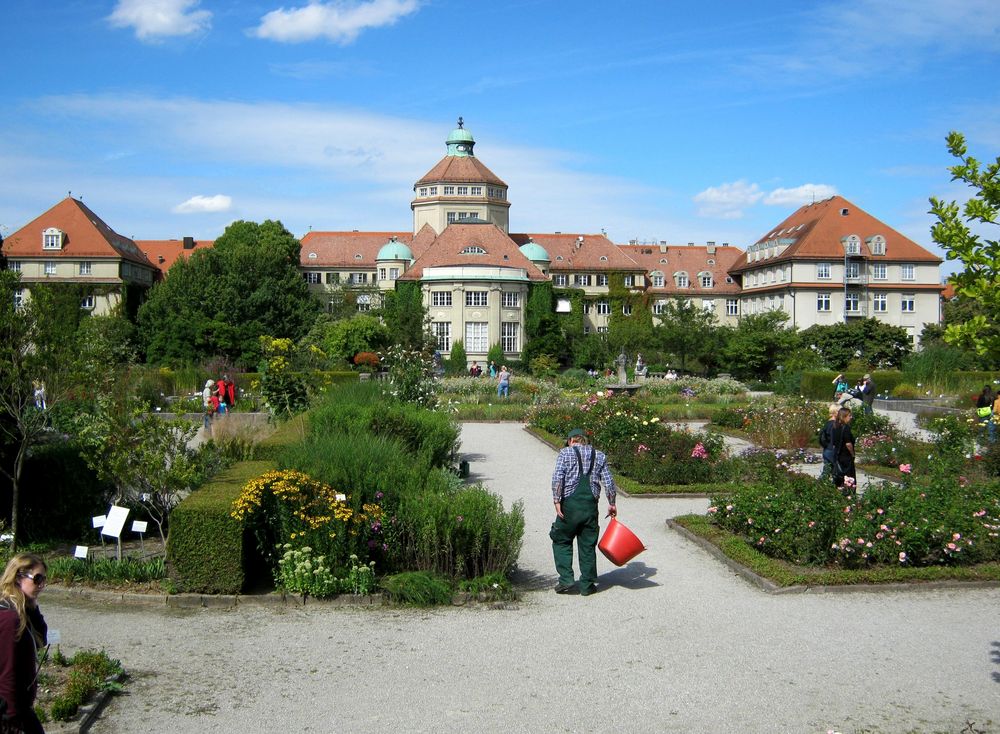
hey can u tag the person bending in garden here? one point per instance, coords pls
(984, 411)
(22, 633)
(844, 475)
(581, 473)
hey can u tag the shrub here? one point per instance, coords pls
(417, 588)
(457, 359)
(544, 365)
(368, 360)
(105, 570)
(906, 391)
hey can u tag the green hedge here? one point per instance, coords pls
(207, 550)
(819, 385)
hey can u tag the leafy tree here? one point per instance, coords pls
(543, 332)
(223, 299)
(759, 344)
(457, 359)
(495, 355)
(406, 318)
(343, 339)
(591, 352)
(871, 342)
(687, 331)
(634, 333)
(980, 280)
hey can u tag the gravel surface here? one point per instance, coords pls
(673, 642)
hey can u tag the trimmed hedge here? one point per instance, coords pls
(207, 550)
(819, 385)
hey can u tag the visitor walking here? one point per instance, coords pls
(22, 633)
(493, 370)
(844, 476)
(475, 370)
(868, 393)
(207, 405)
(826, 441)
(503, 383)
(984, 411)
(580, 474)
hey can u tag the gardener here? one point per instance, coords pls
(580, 474)
(984, 412)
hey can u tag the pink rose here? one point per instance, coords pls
(905, 468)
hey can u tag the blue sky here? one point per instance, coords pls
(676, 121)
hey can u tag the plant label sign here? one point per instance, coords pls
(99, 520)
(139, 526)
(81, 551)
(115, 522)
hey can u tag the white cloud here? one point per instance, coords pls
(804, 194)
(727, 201)
(340, 22)
(153, 19)
(199, 204)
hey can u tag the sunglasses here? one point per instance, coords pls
(39, 578)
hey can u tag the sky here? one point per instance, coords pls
(650, 120)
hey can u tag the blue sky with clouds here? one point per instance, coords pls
(683, 122)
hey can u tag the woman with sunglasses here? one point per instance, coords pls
(22, 633)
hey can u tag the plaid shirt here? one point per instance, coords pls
(567, 474)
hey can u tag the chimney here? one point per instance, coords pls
(189, 243)
(663, 247)
(711, 248)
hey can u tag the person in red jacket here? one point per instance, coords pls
(220, 388)
(22, 633)
(230, 391)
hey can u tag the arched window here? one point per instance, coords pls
(682, 280)
(473, 250)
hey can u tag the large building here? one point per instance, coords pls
(829, 261)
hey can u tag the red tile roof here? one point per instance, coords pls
(566, 252)
(85, 235)
(164, 253)
(341, 249)
(460, 169)
(501, 251)
(815, 232)
(690, 259)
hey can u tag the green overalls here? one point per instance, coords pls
(580, 521)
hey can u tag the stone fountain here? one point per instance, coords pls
(623, 383)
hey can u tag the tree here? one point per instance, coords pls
(687, 331)
(980, 280)
(223, 299)
(759, 344)
(406, 318)
(875, 343)
(457, 358)
(343, 339)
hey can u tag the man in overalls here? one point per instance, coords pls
(581, 471)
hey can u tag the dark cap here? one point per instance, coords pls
(576, 432)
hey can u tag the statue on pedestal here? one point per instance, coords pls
(621, 361)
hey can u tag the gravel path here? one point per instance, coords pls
(674, 642)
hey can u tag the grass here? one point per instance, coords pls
(486, 412)
(632, 488)
(784, 574)
(66, 684)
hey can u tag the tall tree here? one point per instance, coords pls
(223, 299)
(688, 332)
(759, 344)
(406, 318)
(980, 280)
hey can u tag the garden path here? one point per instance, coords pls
(673, 642)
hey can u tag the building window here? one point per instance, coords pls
(476, 298)
(358, 278)
(878, 271)
(657, 280)
(586, 330)
(452, 217)
(822, 301)
(19, 298)
(587, 307)
(509, 299)
(441, 298)
(629, 281)
(312, 278)
(364, 302)
(602, 280)
(463, 190)
(423, 191)
(878, 246)
(476, 336)
(52, 239)
(822, 271)
(381, 273)
(853, 270)
(14, 266)
(581, 280)
(473, 250)
(508, 336)
(627, 309)
(852, 245)
(603, 308)
(393, 273)
(682, 280)
(659, 307)
(476, 190)
(907, 303)
(332, 278)
(880, 303)
(907, 271)
(706, 280)
(602, 329)
(560, 280)
(449, 190)
(85, 268)
(708, 304)
(442, 333)
(732, 307)
(50, 268)
(852, 303)
(88, 303)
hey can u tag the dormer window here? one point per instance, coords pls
(682, 280)
(877, 244)
(657, 279)
(706, 279)
(473, 250)
(52, 239)
(852, 244)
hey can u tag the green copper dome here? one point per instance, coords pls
(534, 252)
(395, 250)
(460, 142)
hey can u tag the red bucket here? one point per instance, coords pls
(619, 544)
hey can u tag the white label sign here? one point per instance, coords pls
(81, 551)
(116, 521)
(99, 520)
(139, 526)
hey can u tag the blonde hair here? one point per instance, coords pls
(11, 592)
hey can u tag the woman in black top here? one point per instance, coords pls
(843, 439)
